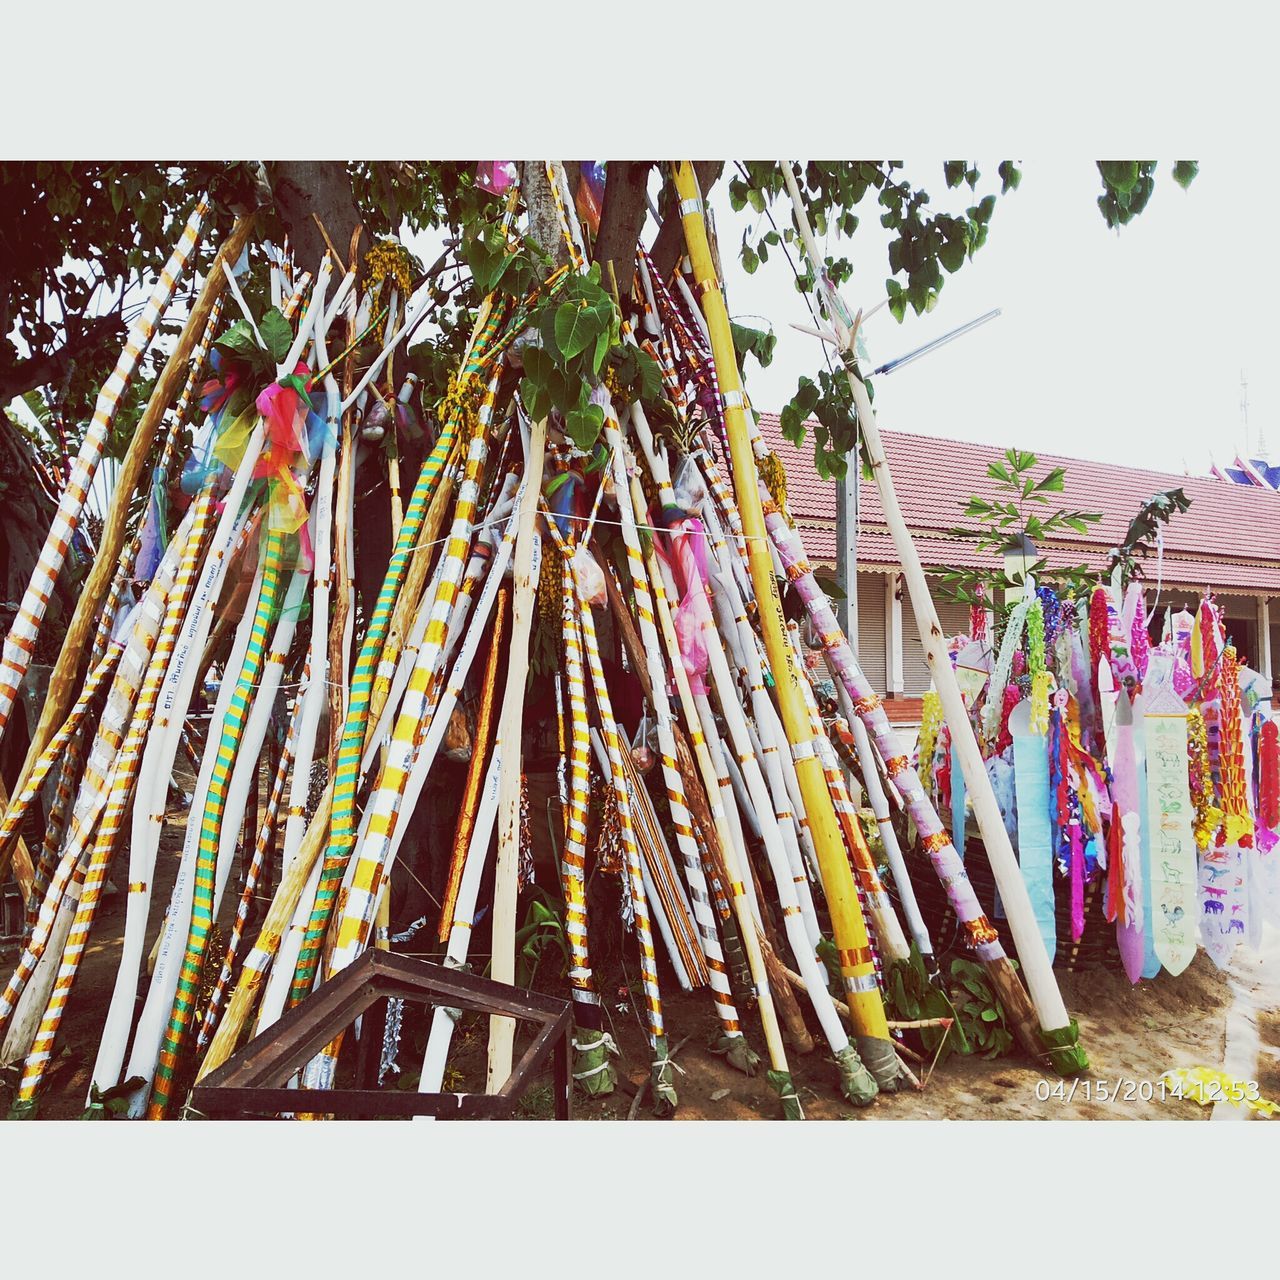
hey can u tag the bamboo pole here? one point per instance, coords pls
(24, 871)
(372, 859)
(315, 692)
(20, 643)
(856, 967)
(651, 663)
(503, 965)
(157, 761)
(888, 836)
(258, 962)
(154, 1050)
(343, 564)
(888, 929)
(85, 618)
(262, 854)
(444, 1019)
(769, 738)
(731, 851)
(149, 797)
(160, 604)
(481, 745)
(1058, 1032)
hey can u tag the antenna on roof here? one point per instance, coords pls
(935, 344)
(1244, 410)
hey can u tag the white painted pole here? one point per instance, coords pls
(1041, 984)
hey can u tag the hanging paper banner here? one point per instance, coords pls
(973, 670)
(1035, 837)
(1108, 698)
(1150, 959)
(1169, 815)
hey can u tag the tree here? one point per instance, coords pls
(1016, 511)
(74, 238)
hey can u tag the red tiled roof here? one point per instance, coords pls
(1229, 539)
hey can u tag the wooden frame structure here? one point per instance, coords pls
(251, 1083)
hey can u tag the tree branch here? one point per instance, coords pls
(49, 367)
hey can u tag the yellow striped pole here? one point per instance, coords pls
(856, 967)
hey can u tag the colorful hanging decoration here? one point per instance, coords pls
(1150, 770)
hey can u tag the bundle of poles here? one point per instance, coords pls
(698, 781)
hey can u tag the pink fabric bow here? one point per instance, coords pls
(284, 411)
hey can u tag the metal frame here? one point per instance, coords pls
(251, 1083)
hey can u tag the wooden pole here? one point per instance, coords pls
(502, 1030)
(62, 681)
(857, 969)
(1041, 983)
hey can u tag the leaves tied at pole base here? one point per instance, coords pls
(593, 1073)
(23, 1109)
(1064, 1052)
(780, 1082)
(856, 1082)
(879, 1058)
(662, 1081)
(737, 1053)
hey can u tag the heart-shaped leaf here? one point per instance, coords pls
(277, 334)
(583, 425)
(576, 326)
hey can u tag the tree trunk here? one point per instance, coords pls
(668, 248)
(621, 220)
(309, 189)
(544, 219)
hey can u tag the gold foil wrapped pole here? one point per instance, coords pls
(481, 749)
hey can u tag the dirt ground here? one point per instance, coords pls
(1132, 1035)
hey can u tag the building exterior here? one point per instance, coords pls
(1252, 472)
(1228, 542)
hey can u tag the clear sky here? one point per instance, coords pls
(1125, 346)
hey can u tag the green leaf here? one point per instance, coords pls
(239, 341)
(277, 334)
(1009, 176)
(535, 385)
(1120, 175)
(952, 254)
(953, 171)
(537, 362)
(598, 355)
(650, 376)
(583, 425)
(576, 326)
(756, 342)
(988, 1015)
(1184, 172)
